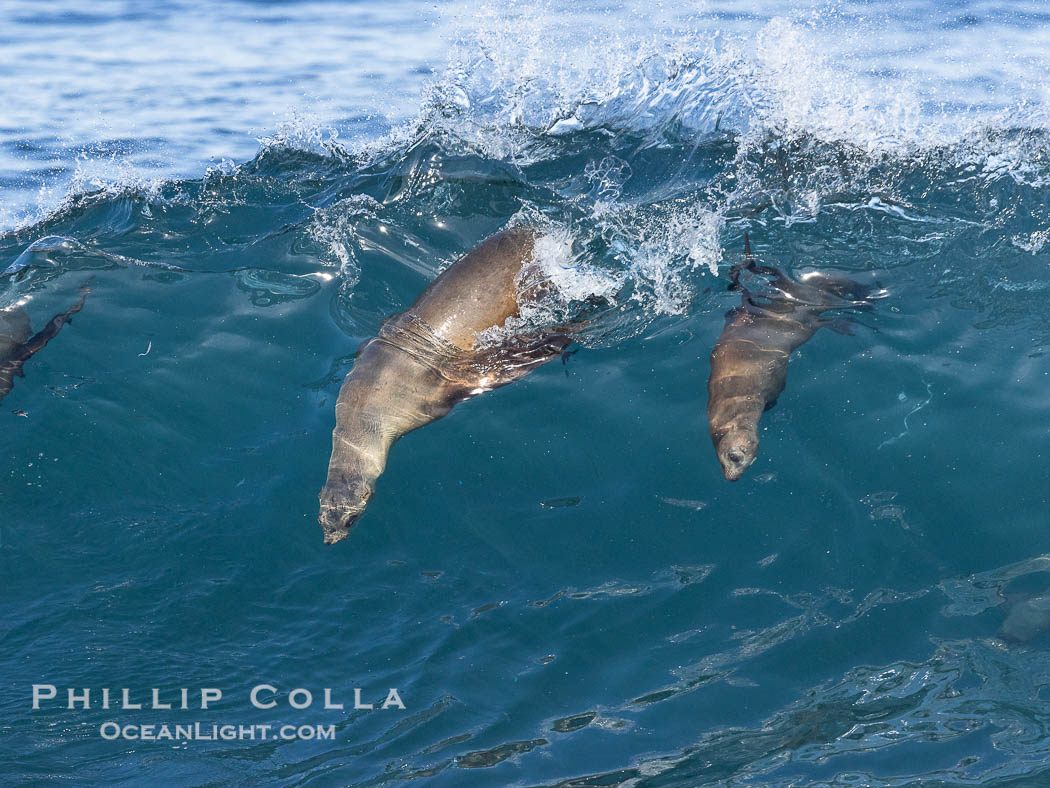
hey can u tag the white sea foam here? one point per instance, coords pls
(556, 283)
(522, 82)
(334, 228)
(517, 72)
(305, 132)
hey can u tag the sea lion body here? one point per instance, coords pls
(750, 360)
(16, 344)
(1028, 615)
(14, 330)
(424, 361)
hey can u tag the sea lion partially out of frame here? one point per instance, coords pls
(428, 358)
(16, 344)
(749, 362)
(1027, 616)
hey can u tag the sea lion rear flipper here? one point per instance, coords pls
(845, 325)
(518, 356)
(839, 289)
(748, 265)
(840, 325)
(751, 267)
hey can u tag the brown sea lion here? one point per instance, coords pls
(17, 346)
(749, 362)
(425, 360)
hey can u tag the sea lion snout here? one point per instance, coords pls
(736, 451)
(341, 508)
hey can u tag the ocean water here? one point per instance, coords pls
(556, 578)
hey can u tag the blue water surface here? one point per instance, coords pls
(556, 578)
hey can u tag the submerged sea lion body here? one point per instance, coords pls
(16, 344)
(749, 362)
(1028, 615)
(424, 361)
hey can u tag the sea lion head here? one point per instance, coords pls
(736, 451)
(343, 501)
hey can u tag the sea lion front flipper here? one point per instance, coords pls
(37, 342)
(17, 354)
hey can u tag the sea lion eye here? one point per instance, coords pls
(735, 456)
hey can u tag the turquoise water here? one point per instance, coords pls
(556, 578)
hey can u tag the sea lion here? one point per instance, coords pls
(1027, 616)
(17, 346)
(749, 362)
(428, 358)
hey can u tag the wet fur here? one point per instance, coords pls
(750, 360)
(424, 361)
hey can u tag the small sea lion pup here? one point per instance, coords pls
(428, 358)
(750, 360)
(16, 344)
